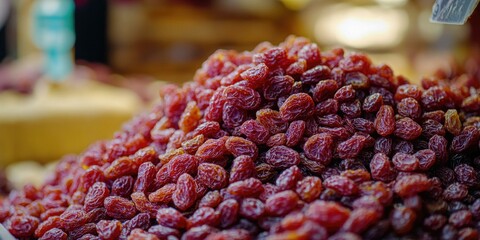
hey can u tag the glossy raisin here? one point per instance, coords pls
(185, 194)
(212, 175)
(282, 157)
(385, 121)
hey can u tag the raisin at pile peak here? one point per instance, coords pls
(283, 142)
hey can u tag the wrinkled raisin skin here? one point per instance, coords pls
(296, 106)
(185, 194)
(283, 142)
(282, 157)
(385, 121)
(120, 208)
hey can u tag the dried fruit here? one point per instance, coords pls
(319, 148)
(212, 175)
(170, 217)
(271, 120)
(242, 97)
(381, 168)
(407, 129)
(252, 208)
(240, 146)
(328, 214)
(228, 211)
(385, 121)
(22, 226)
(282, 157)
(409, 107)
(243, 168)
(123, 186)
(284, 142)
(352, 146)
(324, 89)
(342, 185)
(294, 133)
(204, 216)
(372, 103)
(54, 233)
(254, 131)
(452, 122)
(109, 229)
(185, 193)
(309, 188)
(402, 219)
(119, 208)
(190, 117)
(281, 203)
(405, 162)
(246, 188)
(296, 106)
(288, 178)
(163, 194)
(95, 196)
(407, 186)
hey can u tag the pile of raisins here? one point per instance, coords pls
(284, 142)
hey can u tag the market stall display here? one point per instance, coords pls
(284, 142)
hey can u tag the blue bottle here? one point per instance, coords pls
(54, 34)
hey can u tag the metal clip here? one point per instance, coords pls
(452, 11)
(4, 234)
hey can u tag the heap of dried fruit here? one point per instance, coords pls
(282, 142)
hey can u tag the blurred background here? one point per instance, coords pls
(169, 39)
(123, 50)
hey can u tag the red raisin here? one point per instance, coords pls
(278, 86)
(466, 139)
(385, 121)
(410, 185)
(345, 94)
(351, 147)
(294, 133)
(190, 117)
(288, 178)
(271, 120)
(309, 188)
(405, 162)
(409, 107)
(228, 211)
(402, 219)
(54, 233)
(324, 89)
(242, 97)
(95, 196)
(426, 159)
(170, 217)
(145, 177)
(22, 226)
(282, 157)
(319, 148)
(185, 194)
(296, 106)
(342, 185)
(109, 229)
(254, 131)
(314, 75)
(328, 214)
(252, 208)
(407, 129)
(120, 208)
(246, 188)
(212, 175)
